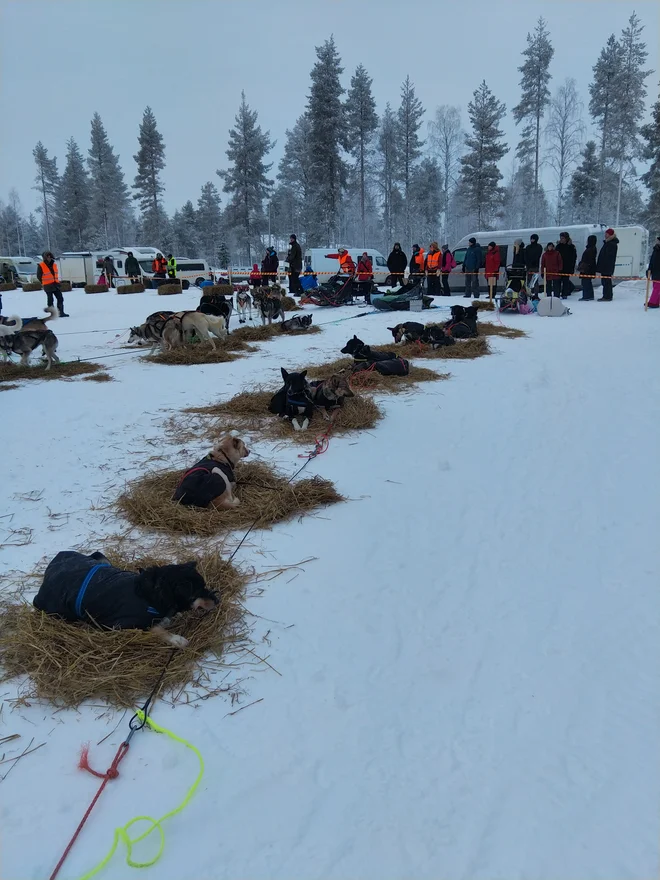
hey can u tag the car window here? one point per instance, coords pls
(380, 261)
(119, 264)
(190, 267)
(459, 255)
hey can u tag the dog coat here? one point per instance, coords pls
(199, 486)
(79, 587)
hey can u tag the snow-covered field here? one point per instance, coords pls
(468, 672)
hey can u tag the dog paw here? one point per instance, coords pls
(177, 641)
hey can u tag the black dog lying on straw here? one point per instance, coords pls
(293, 400)
(79, 587)
(387, 363)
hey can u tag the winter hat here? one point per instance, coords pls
(292, 236)
(609, 232)
(445, 247)
(473, 241)
(534, 237)
(491, 244)
(518, 242)
(415, 246)
(591, 240)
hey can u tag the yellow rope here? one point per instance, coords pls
(122, 833)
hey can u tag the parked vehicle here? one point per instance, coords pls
(188, 271)
(78, 267)
(631, 256)
(25, 268)
(318, 260)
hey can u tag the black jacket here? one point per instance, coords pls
(109, 266)
(587, 265)
(518, 260)
(269, 266)
(397, 262)
(200, 485)
(132, 267)
(568, 256)
(294, 257)
(109, 599)
(607, 257)
(654, 263)
(533, 254)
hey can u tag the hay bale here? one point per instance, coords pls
(465, 349)
(373, 381)
(218, 290)
(69, 663)
(266, 498)
(4, 287)
(290, 305)
(488, 329)
(66, 286)
(130, 288)
(483, 305)
(169, 289)
(32, 286)
(11, 372)
(96, 288)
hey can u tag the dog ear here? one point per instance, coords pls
(285, 375)
(191, 564)
(303, 374)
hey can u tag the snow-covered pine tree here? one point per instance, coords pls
(110, 210)
(426, 198)
(480, 175)
(651, 135)
(72, 201)
(362, 122)
(245, 181)
(409, 121)
(12, 226)
(185, 235)
(296, 175)
(535, 96)
(564, 133)
(629, 102)
(327, 137)
(387, 148)
(46, 183)
(209, 221)
(602, 92)
(224, 255)
(584, 186)
(150, 159)
(447, 139)
(32, 236)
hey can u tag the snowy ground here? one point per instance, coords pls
(468, 679)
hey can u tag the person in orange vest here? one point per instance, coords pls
(49, 277)
(159, 266)
(416, 264)
(346, 264)
(432, 266)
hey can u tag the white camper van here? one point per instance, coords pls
(630, 260)
(84, 267)
(319, 260)
(24, 269)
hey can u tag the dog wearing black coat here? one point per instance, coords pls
(409, 331)
(436, 336)
(463, 322)
(293, 400)
(218, 306)
(211, 481)
(297, 324)
(77, 587)
(363, 353)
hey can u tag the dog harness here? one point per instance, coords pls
(197, 490)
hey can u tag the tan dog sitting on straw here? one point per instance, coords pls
(211, 481)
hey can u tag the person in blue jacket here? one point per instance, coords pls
(472, 263)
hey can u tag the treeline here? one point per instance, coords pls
(350, 175)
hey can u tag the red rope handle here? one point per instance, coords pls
(111, 773)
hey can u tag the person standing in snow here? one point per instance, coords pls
(109, 269)
(432, 267)
(269, 267)
(568, 258)
(551, 267)
(533, 254)
(447, 263)
(294, 258)
(654, 273)
(396, 263)
(132, 269)
(606, 263)
(365, 276)
(492, 266)
(471, 264)
(48, 276)
(587, 269)
(171, 267)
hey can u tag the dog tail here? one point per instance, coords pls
(11, 325)
(52, 313)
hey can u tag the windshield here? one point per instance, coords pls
(145, 265)
(26, 267)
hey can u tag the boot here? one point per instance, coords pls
(586, 299)
(63, 314)
(605, 299)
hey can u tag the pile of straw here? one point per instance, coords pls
(247, 413)
(99, 377)
(201, 353)
(130, 288)
(12, 372)
(372, 380)
(465, 349)
(290, 305)
(31, 287)
(66, 286)
(483, 305)
(488, 329)
(96, 288)
(266, 498)
(69, 663)
(5, 286)
(169, 289)
(258, 333)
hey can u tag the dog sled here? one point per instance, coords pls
(401, 302)
(338, 291)
(515, 299)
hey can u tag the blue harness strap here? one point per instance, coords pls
(83, 589)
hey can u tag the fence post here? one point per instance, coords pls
(648, 290)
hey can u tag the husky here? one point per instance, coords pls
(436, 336)
(364, 353)
(269, 302)
(152, 329)
(329, 394)
(11, 324)
(179, 328)
(297, 324)
(409, 331)
(243, 304)
(217, 306)
(293, 400)
(30, 334)
(211, 482)
(463, 322)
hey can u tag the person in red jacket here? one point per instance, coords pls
(551, 266)
(492, 270)
(255, 276)
(447, 263)
(365, 276)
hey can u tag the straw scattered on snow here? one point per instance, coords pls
(201, 353)
(372, 380)
(257, 333)
(266, 498)
(465, 349)
(11, 372)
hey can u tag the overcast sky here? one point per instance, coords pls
(61, 60)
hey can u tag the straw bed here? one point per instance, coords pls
(483, 305)
(266, 498)
(12, 372)
(99, 377)
(465, 349)
(201, 353)
(69, 663)
(5, 286)
(96, 288)
(488, 329)
(258, 333)
(374, 381)
(290, 305)
(31, 287)
(168, 289)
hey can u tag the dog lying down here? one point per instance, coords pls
(297, 324)
(88, 588)
(409, 331)
(211, 481)
(298, 397)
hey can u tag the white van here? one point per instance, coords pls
(320, 261)
(188, 271)
(24, 268)
(631, 255)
